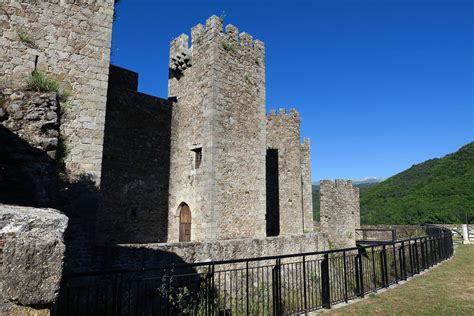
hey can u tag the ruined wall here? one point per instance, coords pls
(29, 138)
(283, 135)
(339, 212)
(71, 41)
(307, 186)
(135, 167)
(219, 84)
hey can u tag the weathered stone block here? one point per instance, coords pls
(33, 254)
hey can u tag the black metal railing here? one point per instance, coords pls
(278, 285)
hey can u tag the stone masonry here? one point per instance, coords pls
(283, 136)
(307, 185)
(33, 255)
(219, 86)
(135, 166)
(29, 139)
(339, 212)
(69, 40)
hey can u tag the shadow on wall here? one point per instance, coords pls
(28, 176)
(273, 194)
(135, 165)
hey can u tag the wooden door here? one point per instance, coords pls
(185, 224)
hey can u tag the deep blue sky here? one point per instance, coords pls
(380, 84)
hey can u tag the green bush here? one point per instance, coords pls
(39, 81)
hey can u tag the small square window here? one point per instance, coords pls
(197, 157)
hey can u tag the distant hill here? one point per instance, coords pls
(435, 191)
(367, 181)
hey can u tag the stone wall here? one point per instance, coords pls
(307, 186)
(29, 138)
(143, 256)
(219, 85)
(283, 135)
(33, 254)
(135, 167)
(71, 41)
(339, 212)
(403, 231)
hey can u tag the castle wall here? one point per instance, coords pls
(340, 214)
(143, 256)
(135, 167)
(220, 96)
(29, 139)
(283, 135)
(71, 41)
(307, 186)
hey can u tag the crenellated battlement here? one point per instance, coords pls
(106, 3)
(283, 115)
(230, 40)
(338, 183)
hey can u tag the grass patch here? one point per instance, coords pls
(228, 46)
(24, 37)
(39, 81)
(445, 290)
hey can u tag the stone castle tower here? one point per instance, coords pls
(218, 133)
(240, 173)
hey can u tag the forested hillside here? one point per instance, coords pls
(435, 191)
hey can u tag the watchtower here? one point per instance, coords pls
(218, 138)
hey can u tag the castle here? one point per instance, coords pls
(134, 181)
(205, 165)
(226, 159)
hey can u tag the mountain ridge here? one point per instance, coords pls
(438, 190)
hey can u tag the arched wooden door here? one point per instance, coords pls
(184, 223)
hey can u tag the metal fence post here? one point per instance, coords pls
(373, 269)
(442, 247)
(305, 295)
(423, 253)
(417, 261)
(395, 261)
(430, 239)
(410, 255)
(325, 285)
(403, 266)
(276, 288)
(384, 266)
(210, 289)
(345, 276)
(247, 286)
(117, 294)
(359, 274)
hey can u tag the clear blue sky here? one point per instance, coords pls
(380, 84)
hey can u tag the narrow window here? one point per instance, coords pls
(197, 157)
